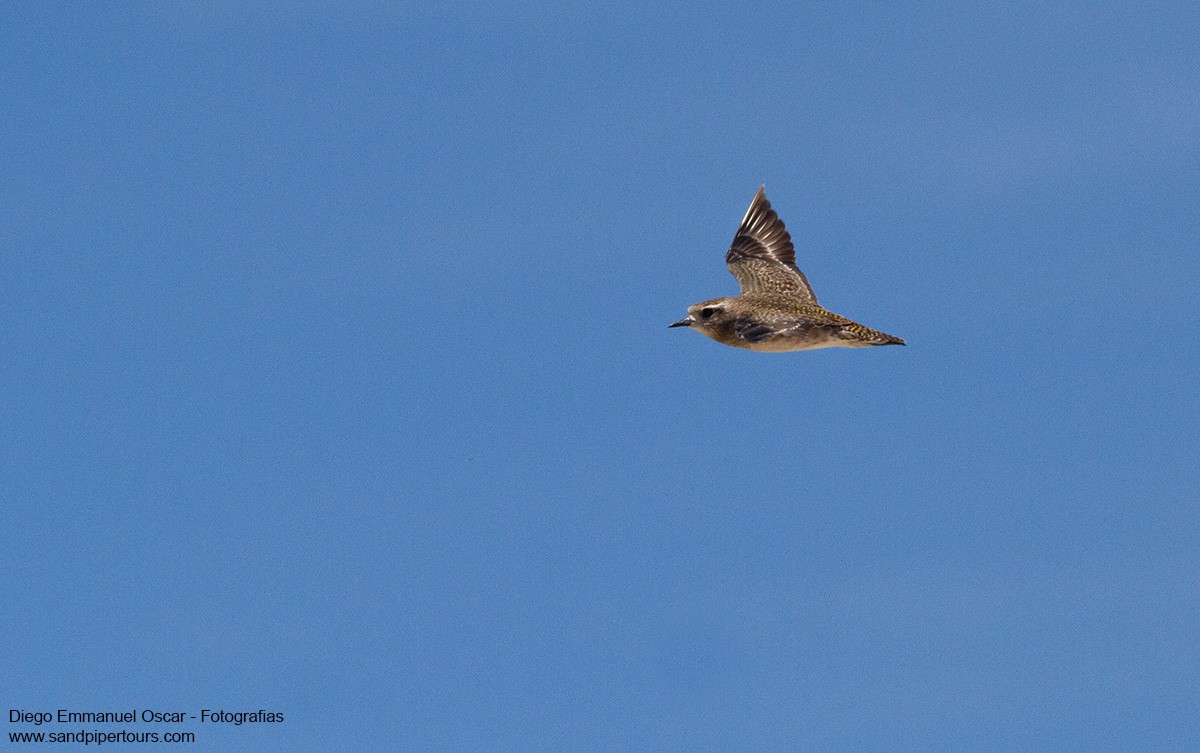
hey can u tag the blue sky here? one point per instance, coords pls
(337, 381)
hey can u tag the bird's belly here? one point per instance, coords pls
(807, 342)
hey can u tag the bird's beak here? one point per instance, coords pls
(682, 322)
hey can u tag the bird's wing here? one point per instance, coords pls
(761, 256)
(755, 330)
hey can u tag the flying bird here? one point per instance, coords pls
(777, 310)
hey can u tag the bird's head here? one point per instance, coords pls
(705, 315)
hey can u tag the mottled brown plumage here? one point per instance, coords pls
(777, 310)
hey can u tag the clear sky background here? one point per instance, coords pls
(335, 377)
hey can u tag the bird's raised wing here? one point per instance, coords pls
(761, 256)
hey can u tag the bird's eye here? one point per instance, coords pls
(706, 312)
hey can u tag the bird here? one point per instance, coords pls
(777, 310)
